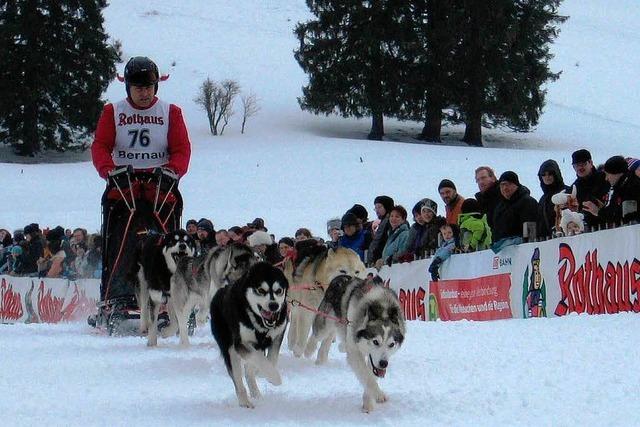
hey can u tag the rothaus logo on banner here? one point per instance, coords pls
(595, 288)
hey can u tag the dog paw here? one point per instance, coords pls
(245, 403)
(274, 377)
(381, 397)
(367, 407)
(255, 393)
(152, 343)
(321, 360)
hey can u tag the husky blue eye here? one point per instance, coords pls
(278, 292)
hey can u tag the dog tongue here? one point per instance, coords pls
(379, 372)
(269, 315)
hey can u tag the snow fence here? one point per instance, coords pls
(593, 273)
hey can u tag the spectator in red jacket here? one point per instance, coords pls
(141, 130)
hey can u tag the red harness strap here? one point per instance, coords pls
(297, 303)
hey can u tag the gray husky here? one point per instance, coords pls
(196, 281)
(371, 326)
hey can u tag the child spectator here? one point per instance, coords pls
(475, 233)
(447, 246)
(572, 223)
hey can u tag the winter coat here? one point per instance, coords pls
(34, 250)
(396, 243)
(357, 242)
(593, 187)
(488, 202)
(423, 238)
(453, 211)
(378, 242)
(509, 215)
(445, 250)
(475, 232)
(546, 208)
(627, 188)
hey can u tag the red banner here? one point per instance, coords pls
(483, 298)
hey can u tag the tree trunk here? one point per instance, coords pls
(431, 132)
(377, 127)
(30, 144)
(473, 130)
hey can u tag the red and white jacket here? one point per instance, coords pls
(144, 138)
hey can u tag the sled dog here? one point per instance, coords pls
(314, 276)
(157, 259)
(197, 279)
(228, 264)
(371, 327)
(249, 317)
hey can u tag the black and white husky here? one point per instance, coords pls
(157, 259)
(371, 326)
(196, 281)
(248, 318)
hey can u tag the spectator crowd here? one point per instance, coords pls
(501, 213)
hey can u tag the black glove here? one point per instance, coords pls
(434, 269)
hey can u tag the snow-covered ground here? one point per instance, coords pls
(295, 169)
(578, 370)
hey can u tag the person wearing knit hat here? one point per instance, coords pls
(634, 165)
(625, 198)
(591, 185)
(257, 224)
(572, 223)
(258, 238)
(452, 200)
(516, 207)
(616, 165)
(382, 205)
(361, 212)
(192, 228)
(206, 234)
(353, 237)
(423, 233)
(263, 244)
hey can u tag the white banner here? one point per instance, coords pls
(593, 273)
(34, 300)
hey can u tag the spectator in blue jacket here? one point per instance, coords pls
(353, 237)
(398, 240)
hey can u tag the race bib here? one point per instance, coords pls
(141, 135)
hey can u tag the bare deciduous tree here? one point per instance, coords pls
(205, 99)
(250, 107)
(217, 100)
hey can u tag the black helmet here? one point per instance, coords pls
(141, 71)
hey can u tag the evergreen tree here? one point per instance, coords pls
(502, 63)
(350, 53)
(60, 64)
(427, 55)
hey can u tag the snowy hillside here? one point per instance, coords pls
(295, 169)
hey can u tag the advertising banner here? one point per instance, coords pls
(34, 300)
(482, 298)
